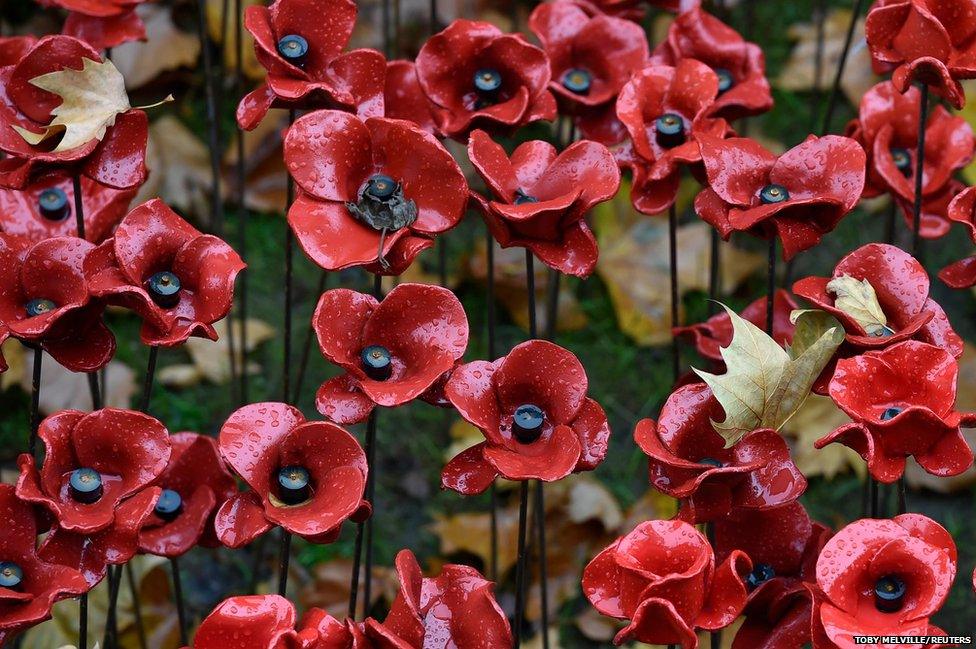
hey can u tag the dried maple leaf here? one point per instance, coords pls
(857, 299)
(764, 385)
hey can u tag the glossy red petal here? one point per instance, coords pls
(545, 375)
(255, 621)
(340, 400)
(240, 520)
(468, 473)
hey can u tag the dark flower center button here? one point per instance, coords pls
(169, 505)
(487, 81)
(521, 198)
(773, 193)
(577, 81)
(891, 413)
(11, 575)
(381, 187)
(40, 306)
(527, 423)
(725, 79)
(762, 573)
(164, 289)
(53, 204)
(294, 485)
(710, 461)
(889, 594)
(85, 485)
(903, 160)
(377, 362)
(294, 48)
(670, 129)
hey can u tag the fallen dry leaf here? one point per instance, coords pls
(328, 587)
(215, 25)
(179, 166)
(265, 176)
(166, 48)
(817, 417)
(211, 358)
(858, 299)
(653, 505)
(62, 389)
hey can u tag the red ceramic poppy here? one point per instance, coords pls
(374, 193)
(177, 279)
(45, 209)
(256, 622)
(533, 410)
(392, 351)
(934, 217)
(403, 98)
(882, 577)
(663, 578)
(902, 399)
(479, 77)
(665, 110)
(44, 301)
(632, 10)
(710, 336)
(29, 585)
(305, 476)
(117, 160)
(741, 67)
(541, 199)
(101, 23)
(902, 288)
(798, 196)
(887, 128)
(590, 60)
(13, 48)
(195, 484)
(925, 41)
(304, 60)
(92, 463)
(962, 209)
(688, 460)
(783, 545)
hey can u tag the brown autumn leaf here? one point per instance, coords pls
(653, 505)
(511, 288)
(470, 532)
(328, 587)
(216, 22)
(62, 389)
(634, 264)
(166, 48)
(817, 417)
(799, 73)
(211, 358)
(179, 166)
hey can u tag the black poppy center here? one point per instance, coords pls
(725, 79)
(773, 193)
(169, 505)
(11, 575)
(762, 573)
(890, 413)
(294, 485)
(40, 306)
(85, 485)
(710, 461)
(889, 594)
(670, 130)
(381, 187)
(294, 48)
(577, 81)
(903, 160)
(377, 362)
(164, 289)
(521, 198)
(487, 82)
(383, 207)
(527, 423)
(53, 204)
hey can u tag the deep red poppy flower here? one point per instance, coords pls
(926, 41)
(304, 60)
(541, 198)
(902, 288)
(117, 160)
(101, 23)
(740, 65)
(934, 218)
(533, 410)
(195, 484)
(29, 585)
(305, 476)
(13, 48)
(374, 193)
(783, 545)
(798, 196)
(887, 128)
(688, 460)
(902, 399)
(392, 351)
(255, 621)
(45, 209)
(882, 577)
(665, 110)
(962, 209)
(590, 60)
(710, 336)
(403, 98)
(177, 279)
(44, 301)
(662, 577)
(479, 77)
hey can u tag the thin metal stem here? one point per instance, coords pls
(79, 207)
(839, 74)
(35, 409)
(771, 285)
(714, 270)
(289, 263)
(136, 605)
(150, 377)
(83, 621)
(242, 216)
(673, 267)
(540, 524)
(490, 317)
(178, 596)
(923, 118)
(93, 389)
(307, 346)
(520, 568)
(530, 286)
(284, 560)
(875, 509)
(820, 10)
(357, 554)
(552, 304)
(111, 638)
(902, 495)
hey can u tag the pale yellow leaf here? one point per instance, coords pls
(857, 299)
(764, 385)
(63, 389)
(817, 417)
(92, 98)
(809, 326)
